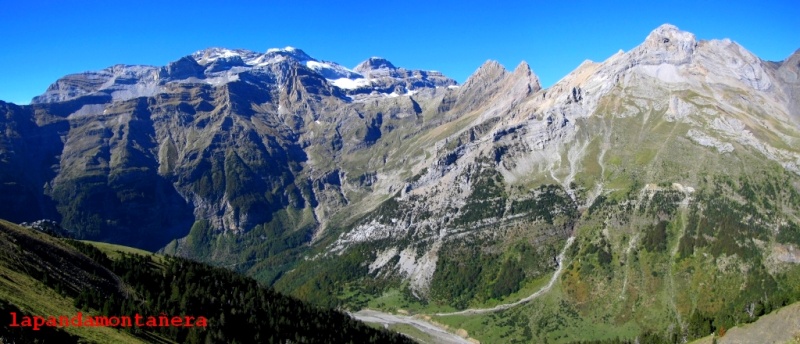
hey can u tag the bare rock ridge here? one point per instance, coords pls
(490, 71)
(484, 82)
(789, 73)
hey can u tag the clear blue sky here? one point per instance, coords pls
(44, 40)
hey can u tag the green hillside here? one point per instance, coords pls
(46, 276)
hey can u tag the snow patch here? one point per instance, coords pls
(316, 65)
(350, 84)
(288, 49)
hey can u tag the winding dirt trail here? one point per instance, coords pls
(538, 293)
(441, 335)
(438, 334)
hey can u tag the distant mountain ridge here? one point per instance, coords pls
(215, 66)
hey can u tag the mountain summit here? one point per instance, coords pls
(219, 66)
(374, 63)
(658, 190)
(667, 44)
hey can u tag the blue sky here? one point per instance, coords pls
(44, 40)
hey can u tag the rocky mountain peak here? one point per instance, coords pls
(185, 67)
(491, 65)
(666, 44)
(289, 51)
(793, 60)
(489, 71)
(374, 63)
(523, 68)
(213, 54)
(667, 33)
(789, 72)
(524, 79)
(490, 78)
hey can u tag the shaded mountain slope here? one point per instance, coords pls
(45, 276)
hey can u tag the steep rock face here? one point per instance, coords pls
(120, 81)
(135, 154)
(185, 68)
(107, 186)
(28, 162)
(788, 72)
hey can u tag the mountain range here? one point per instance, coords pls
(668, 174)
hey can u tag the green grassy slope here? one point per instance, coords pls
(46, 276)
(33, 266)
(780, 326)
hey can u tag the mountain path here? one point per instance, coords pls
(439, 334)
(536, 294)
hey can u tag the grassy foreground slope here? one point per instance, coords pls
(38, 273)
(781, 326)
(46, 276)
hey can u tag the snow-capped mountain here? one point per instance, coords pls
(216, 66)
